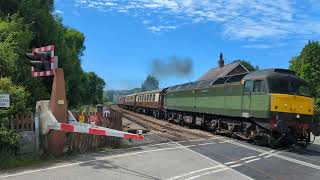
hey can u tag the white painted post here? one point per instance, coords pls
(36, 128)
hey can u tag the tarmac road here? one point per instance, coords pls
(215, 158)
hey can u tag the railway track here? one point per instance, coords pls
(150, 123)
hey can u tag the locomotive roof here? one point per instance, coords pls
(260, 74)
(271, 73)
(206, 83)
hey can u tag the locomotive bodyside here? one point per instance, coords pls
(273, 103)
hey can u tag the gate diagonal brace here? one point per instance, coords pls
(75, 126)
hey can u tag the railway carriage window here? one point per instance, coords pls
(248, 86)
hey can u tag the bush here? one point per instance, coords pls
(18, 98)
(8, 146)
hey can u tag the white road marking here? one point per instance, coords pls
(228, 141)
(217, 137)
(231, 162)
(186, 147)
(251, 160)
(236, 165)
(275, 152)
(174, 142)
(250, 157)
(168, 143)
(203, 144)
(201, 139)
(268, 156)
(193, 172)
(278, 155)
(212, 172)
(265, 153)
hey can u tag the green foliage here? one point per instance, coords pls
(151, 83)
(248, 65)
(8, 146)
(307, 66)
(18, 98)
(25, 24)
(94, 86)
(14, 37)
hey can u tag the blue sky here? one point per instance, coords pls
(123, 38)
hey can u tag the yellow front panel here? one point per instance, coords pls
(291, 104)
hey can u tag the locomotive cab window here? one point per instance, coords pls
(259, 86)
(248, 84)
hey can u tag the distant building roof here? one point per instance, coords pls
(228, 69)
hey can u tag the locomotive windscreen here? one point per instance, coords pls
(288, 86)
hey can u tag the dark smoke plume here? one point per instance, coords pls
(173, 66)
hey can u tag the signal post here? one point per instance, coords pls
(43, 63)
(55, 118)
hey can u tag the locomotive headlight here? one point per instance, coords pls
(298, 116)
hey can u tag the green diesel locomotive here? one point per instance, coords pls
(270, 106)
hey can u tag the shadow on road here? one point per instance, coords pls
(105, 164)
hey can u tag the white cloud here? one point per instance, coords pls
(57, 11)
(264, 46)
(157, 29)
(239, 19)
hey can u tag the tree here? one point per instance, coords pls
(307, 66)
(15, 38)
(248, 65)
(151, 83)
(18, 98)
(26, 24)
(94, 86)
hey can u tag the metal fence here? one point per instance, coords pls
(83, 142)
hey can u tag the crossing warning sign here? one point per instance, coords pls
(4, 100)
